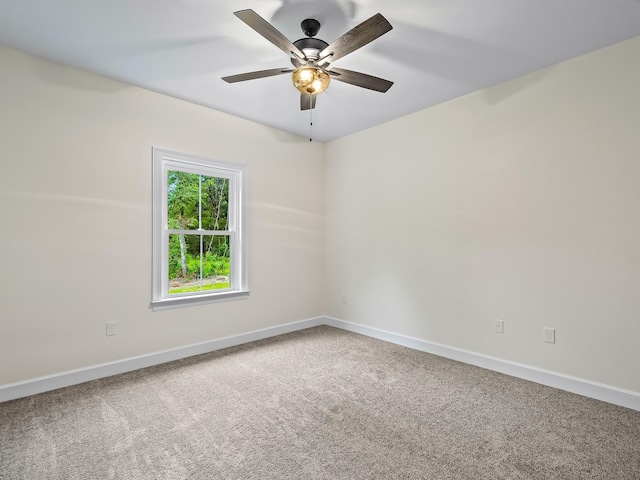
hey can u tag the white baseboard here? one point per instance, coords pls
(598, 391)
(606, 393)
(26, 388)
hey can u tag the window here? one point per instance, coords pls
(199, 251)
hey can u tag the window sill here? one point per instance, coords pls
(179, 302)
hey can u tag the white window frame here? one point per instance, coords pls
(163, 162)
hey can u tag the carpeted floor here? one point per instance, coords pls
(317, 404)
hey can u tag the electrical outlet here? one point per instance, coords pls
(111, 328)
(499, 326)
(549, 334)
(343, 298)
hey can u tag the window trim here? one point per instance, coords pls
(164, 160)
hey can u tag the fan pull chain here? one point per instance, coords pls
(310, 117)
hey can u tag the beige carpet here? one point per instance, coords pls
(316, 404)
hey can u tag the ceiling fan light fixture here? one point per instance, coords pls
(310, 80)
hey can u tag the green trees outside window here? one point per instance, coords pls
(199, 246)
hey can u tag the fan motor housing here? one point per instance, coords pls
(311, 47)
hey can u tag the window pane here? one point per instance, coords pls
(216, 263)
(196, 201)
(183, 194)
(198, 263)
(215, 203)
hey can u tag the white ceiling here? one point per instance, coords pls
(438, 49)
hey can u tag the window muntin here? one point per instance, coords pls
(199, 245)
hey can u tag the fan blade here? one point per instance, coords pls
(269, 32)
(307, 102)
(360, 79)
(253, 75)
(357, 37)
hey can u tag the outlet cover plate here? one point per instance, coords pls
(111, 328)
(549, 334)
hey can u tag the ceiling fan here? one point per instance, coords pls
(312, 57)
